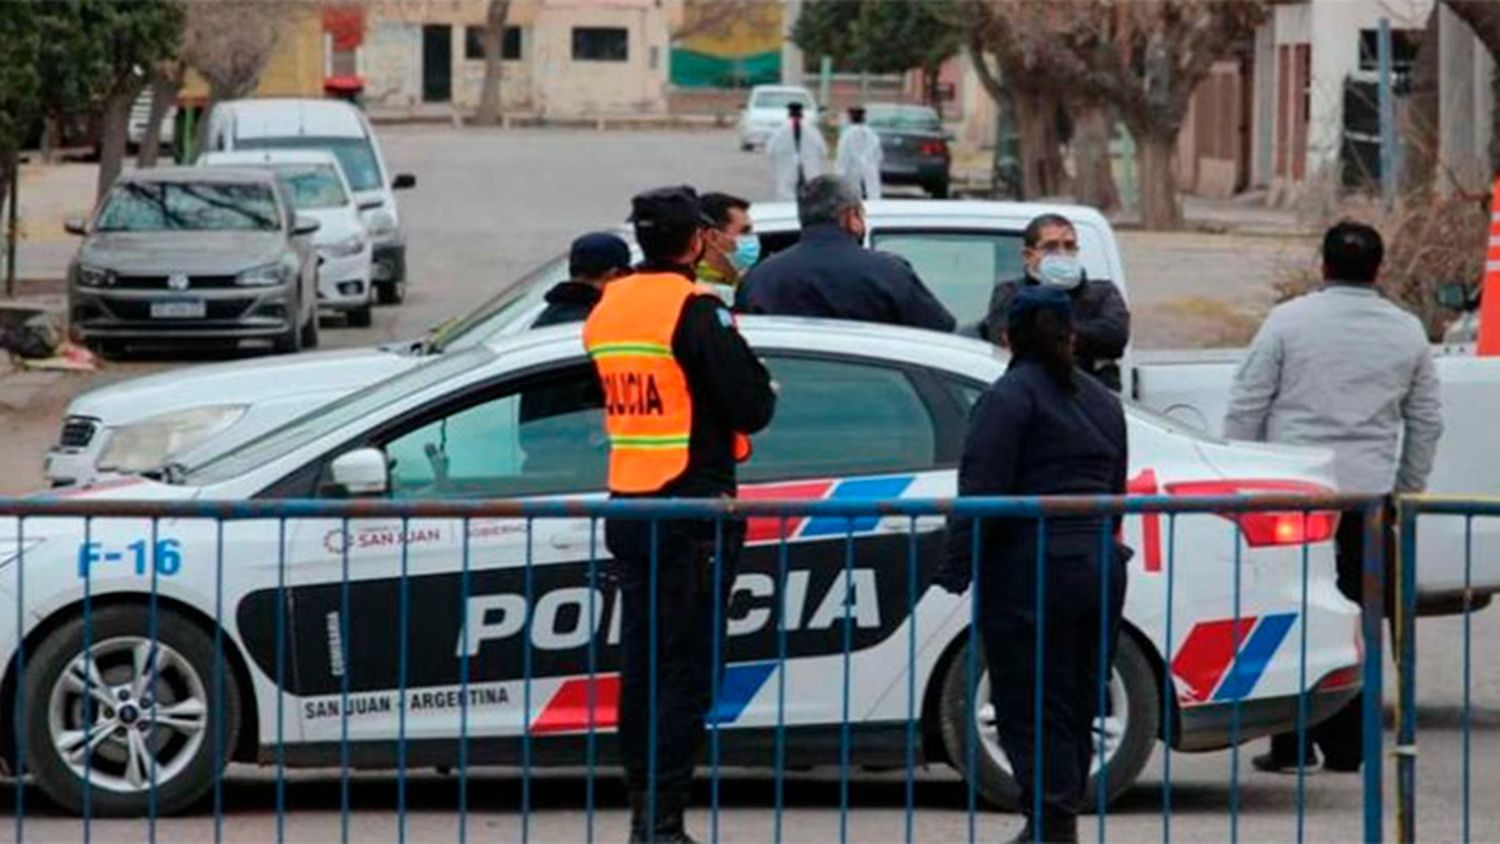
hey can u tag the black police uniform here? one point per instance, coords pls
(829, 274)
(1029, 436)
(568, 301)
(731, 392)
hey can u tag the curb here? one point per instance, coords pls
(602, 124)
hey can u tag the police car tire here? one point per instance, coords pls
(995, 784)
(63, 645)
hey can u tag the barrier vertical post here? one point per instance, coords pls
(911, 678)
(591, 748)
(1106, 562)
(280, 680)
(781, 565)
(218, 763)
(402, 622)
(844, 738)
(1038, 773)
(18, 726)
(1373, 584)
(1302, 689)
(1406, 674)
(345, 654)
(1468, 714)
(1168, 687)
(463, 687)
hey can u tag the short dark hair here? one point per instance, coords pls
(1352, 252)
(823, 199)
(1033, 232)
(718, 205)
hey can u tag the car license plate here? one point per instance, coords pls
(179, 309)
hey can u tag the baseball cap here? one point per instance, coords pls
(668, 209)
(1039, 298)
(595, 254)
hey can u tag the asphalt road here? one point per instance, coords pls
(490, 206)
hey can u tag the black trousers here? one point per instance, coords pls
(1341, 737)
(684, 655)
(1070, 679)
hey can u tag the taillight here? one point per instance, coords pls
(1275, 528)
(1348, 677)
(934, 147)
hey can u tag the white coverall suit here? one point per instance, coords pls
(858, 160)
(785, 154)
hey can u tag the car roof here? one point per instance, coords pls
(784, 214)
(283, 117)
(269, 156)
(187, 175)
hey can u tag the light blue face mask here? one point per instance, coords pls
(1064, 272)
(746, 252)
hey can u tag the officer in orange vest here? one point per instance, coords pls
(682, 392)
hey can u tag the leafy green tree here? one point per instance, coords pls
(881, 36)
(19, 80)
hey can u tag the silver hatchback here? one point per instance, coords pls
(192, 254)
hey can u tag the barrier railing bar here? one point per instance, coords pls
(1039, 770)
(463, 690)
(18, 725)
(1302, 729)
(1468, 710)
(715, 679)
(971, 684)
(844, 739)
(150, 688)
(1234, 710)
(345, 652)
(1373, 593)
(402, 622)
(218, 757)
(592, 739)
(526, 648)
(911, 678)
(781, 577)
(280, 681)
(1168, 687)
(1406, 672)
(1106, 562)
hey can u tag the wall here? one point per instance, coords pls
(295, 69)
(1464, 105)
(563, 87)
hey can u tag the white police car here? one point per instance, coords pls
(864, 412)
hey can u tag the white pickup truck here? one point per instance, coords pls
(959, 248)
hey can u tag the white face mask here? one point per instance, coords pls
(1064, 272)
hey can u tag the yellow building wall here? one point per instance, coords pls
(295, 68)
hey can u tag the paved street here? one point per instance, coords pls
(490, 206)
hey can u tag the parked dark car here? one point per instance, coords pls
(195, 254)
(913, 145)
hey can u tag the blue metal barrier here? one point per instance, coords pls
(933, 638)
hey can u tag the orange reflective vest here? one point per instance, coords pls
(648, 409)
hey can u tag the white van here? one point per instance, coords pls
(340, 128)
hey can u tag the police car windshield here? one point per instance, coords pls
(322, 421)
(492, 317)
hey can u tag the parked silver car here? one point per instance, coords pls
(188, 253)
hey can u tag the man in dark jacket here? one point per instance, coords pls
(1100, 319)
(593, 261)
(830, 274)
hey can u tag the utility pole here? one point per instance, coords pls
(10, 230)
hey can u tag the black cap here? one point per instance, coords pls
(668, 209)
(794, 108)
(595, 254)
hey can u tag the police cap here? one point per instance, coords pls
(668, 209)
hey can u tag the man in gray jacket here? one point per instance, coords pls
(1343, 368)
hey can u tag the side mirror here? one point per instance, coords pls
(1454, 296)
(403, 181)
(76, 225)
(304, 226)
(360, 473)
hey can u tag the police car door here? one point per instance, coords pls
(845, 428)
(467, 587)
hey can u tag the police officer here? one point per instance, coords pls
(830, 274)
(593, 261)
(682, 390)
(1044, 429)
(1100, 319)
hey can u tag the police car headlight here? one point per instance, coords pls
(351, 245)
(149, 444)
(11, 550)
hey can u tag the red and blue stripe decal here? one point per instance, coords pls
(816, 527)
(1223, 660)
(568, 710)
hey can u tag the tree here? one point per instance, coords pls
(229, 42)
(20, 51)
(166, 83)
(1147, 57)
(494, 42)
(881, 36)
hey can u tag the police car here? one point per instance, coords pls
(865, 412)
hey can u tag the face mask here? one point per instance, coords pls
(746, 252)
(1061, 271)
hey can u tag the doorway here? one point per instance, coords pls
(437, 63)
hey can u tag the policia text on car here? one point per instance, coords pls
(682, 393)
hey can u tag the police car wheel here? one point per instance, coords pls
(390, 292)
(98, 722)
(1130, 730)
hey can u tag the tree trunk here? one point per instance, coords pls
(1160, 208)
(1094, 181)
(51, 137)
(488, 113)
(933, 86)
(1041, 159)
(113, 135)
(164, 88)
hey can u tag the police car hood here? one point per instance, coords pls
(247, 382)
(120, 488)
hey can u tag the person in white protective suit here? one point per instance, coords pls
(858, 158)
(798, 154)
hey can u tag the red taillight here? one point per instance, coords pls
(934, 147)
(1348, 677)
(1269, 529)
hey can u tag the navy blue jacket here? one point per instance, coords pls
(1028, 436)
(829, 274)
